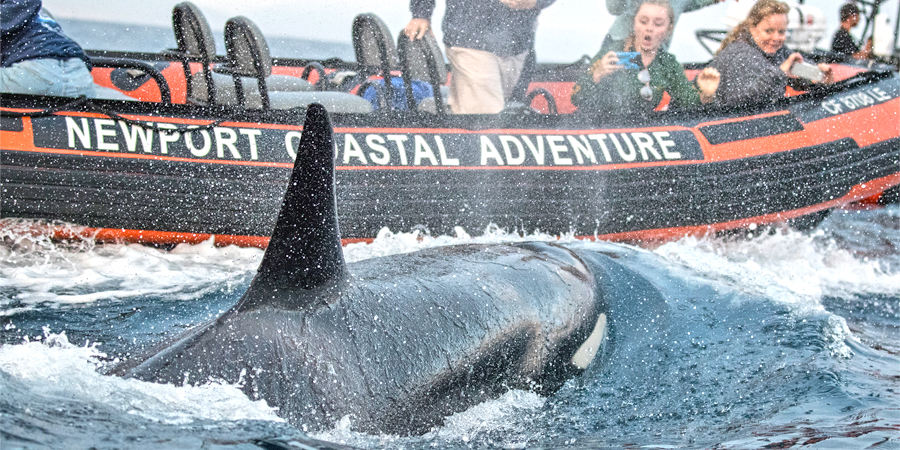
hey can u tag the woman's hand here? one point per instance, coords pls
(708, 82)
(417, 28)
(827, 74)
(789, 62)
(604, 66)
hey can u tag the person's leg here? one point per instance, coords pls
(69, 78)
(521, 88)
(510, 71)
(76, 79)
(28, 77)
(475, 83)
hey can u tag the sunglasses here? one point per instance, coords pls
(646, 91)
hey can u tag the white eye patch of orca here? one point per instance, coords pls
(588, 350)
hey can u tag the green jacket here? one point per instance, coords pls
(620, 91)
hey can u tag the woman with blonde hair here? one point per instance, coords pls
(639, 83)
(754, 63)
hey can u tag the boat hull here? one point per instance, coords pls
(633, 178)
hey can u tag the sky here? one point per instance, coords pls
(567, 29)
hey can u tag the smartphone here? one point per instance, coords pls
(626, 59)
(808, 71)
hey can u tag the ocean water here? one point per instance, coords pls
(780, 339)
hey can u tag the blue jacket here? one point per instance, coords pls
(29, 35)
(486, 25)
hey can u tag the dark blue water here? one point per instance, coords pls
(778, 340)
(781, 340)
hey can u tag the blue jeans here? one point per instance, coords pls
(61, 78)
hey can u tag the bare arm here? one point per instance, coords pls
(421, 22)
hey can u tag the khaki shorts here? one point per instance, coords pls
(481, 81)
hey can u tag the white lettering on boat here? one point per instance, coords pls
(131, 137)
(855, 100)
(117, 135)
(361, 149)
(251, 138)
(391, 149)
(103, 132)
(423, 151)
(445, 160)
(289, 144)
(165, 138)
(379, 154)
(72, 129)
(202, 151)
(624, 148)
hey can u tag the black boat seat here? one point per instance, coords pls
(373, 45)
(248, 57)
(422, 59)
(423, 56)
(333, 101)
(429, 105)
(196, 44)
(225, 86)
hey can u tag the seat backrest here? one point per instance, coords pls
(422, 59)
(248, 56)
(373, 44)
(195, 43)
(192, 32)
(423, 56)
(246, 49)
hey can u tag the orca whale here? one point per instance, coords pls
(396, 343)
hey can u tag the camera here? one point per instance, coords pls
(808, 71)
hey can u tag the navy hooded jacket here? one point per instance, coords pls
(29, 35)
(486, 25)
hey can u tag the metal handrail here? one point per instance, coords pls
(165, 93)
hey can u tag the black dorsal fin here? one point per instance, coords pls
(304, 258)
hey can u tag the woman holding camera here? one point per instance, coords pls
(619, 81)
(754, 63)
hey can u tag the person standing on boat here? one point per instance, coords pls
(610, 85)
(842, 42)
(754, 63)
(487, 43)
(624, 12)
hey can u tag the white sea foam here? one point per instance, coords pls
(391, 243)
(35, 270)
(501, 416)
(793, 268)
(788, 265)
(52, 367)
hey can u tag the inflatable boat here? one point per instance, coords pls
(205, 150)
